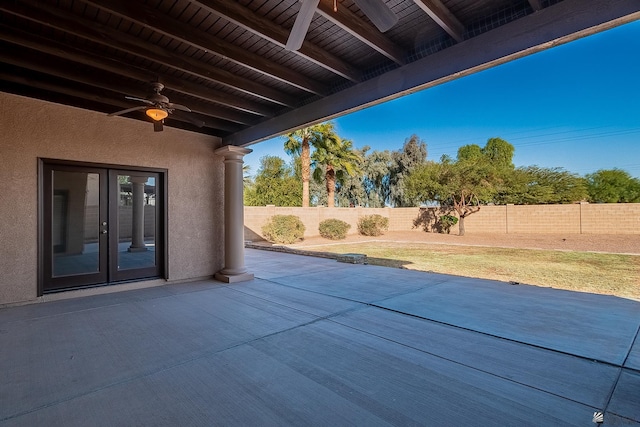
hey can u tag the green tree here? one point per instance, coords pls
(350, 192)
(299, 143)
(470, 152)
(613, 186)
(274, 184)
(499, 152)
(463, 185)
(334, 159)
(477, 176)
(376, 178)
(370, 188)
(536, 185)
(246, 175)
(318, 190)
(382, 173)
(413, 154)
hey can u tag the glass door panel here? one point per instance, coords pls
(76, 223)
(136, 221)
(75, 230)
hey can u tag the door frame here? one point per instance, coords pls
(116, 275)
(44, 187)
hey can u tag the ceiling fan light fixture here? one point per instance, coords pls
(156, 113)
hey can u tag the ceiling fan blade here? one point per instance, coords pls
(133, 98)
(301, 25)
(379, 13)
(157, 126)
(172, 106)
(128, 110)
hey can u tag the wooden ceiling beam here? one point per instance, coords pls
(151, 19)
(50, 47)
(363, 31)
(560, 23)
(443, 17)
(103, 98)
(247, 19)
(51, 16)
(47, 84)
(100, 79)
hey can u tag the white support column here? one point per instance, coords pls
(234, 269)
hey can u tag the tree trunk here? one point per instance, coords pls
(305, 193)
(461, 226)
(305, 160)
(331, 186)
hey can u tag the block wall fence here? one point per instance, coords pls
(583, 218)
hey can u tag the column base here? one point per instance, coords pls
(233, 278)
(138, 249)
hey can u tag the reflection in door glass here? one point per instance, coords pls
(136, 221)
(75, 223)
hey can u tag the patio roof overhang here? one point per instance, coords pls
(226, 59)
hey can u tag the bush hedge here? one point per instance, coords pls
(283, 229)
(446, 222)
(373, 225)
(334, 229)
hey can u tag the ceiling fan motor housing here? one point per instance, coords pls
(156, 97)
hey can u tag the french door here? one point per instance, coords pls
(100, 225)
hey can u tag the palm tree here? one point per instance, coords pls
(336, 158)
(299, 143)
(246, 175)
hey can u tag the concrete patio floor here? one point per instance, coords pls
(312, 341)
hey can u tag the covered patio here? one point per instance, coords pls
(125, 123)
(312, 341)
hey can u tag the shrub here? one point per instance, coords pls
(283, 229)
(373, 225)
(446, 222)
(334, 229)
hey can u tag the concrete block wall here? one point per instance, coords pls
(614, 218)
(254, 219)
(402, 219)
(610, 218)
(543, 219)
(489, 219)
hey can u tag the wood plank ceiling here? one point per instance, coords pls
(226, 60)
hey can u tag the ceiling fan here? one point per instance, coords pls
(376, 10)
(157, 106)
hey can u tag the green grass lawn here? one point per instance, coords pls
(610, 274)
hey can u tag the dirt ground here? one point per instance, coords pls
(622, 244)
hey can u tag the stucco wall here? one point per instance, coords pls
(32, 129)
(612, 218)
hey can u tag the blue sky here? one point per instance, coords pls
(575, 106)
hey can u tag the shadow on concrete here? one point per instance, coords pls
(251, 235)
(386, 262)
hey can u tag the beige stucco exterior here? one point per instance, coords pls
(33, 129)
